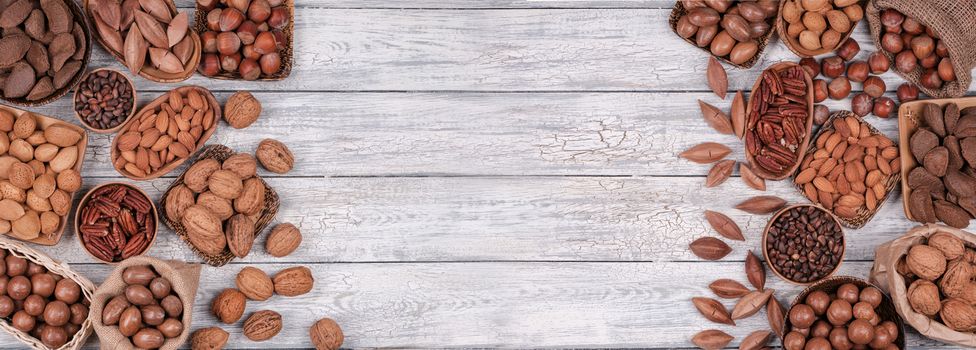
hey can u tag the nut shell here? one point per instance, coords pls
(275, 156)
(251, 199)
(926, 262)
(241, 110)
(326, 334)
(204, 230)
(225, 184)
(283, 240)
(923, 296)
(262, 325)
(229, 305)
(255, 284)
(240, 235)
(211, 338)
(959, 315)
(242, 164)
(293, 281)
(197, 175)
(952, 247)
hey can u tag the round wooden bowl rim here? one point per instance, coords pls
(132, 111)
(803, 144)
(795, 46)
(765, 235)
(87, 196)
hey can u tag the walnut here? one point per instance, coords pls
(969, 293)
(924, 297)
(902, 267)
(275, 156)
(950, 246)
(959, 315)
(926, 262)
(241, 110)
(956, 278)
(969, 255)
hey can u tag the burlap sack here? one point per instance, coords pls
(183, 276)
(952, 20)
(885, 275)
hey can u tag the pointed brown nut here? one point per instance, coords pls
(707, 152)
(177, 29)
(761, 205)
(110, 11)
(135, 49)
(165, 60)
(750, 177)
(293, 281)
(755, 340)
(151, 30)
(755, 271)
(724, 225)
(738, 115)
(728, 289)
(750, 304)
(776, 315)
(715, 118)
(255, 284)
(720, 172)
(712, 339)
(713, 310)
(111, 36)
(157, 9)
(718, 81)
(710, 248)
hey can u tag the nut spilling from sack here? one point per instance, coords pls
(938, 273)
(148, 312)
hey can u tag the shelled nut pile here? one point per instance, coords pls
(778, 112)
(117, 222)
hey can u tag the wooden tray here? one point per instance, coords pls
(44, 122)
(908, 114)
(886, 311)
(149, 109)
(148, 71)
(220, 153)
(679, 10)
(794, 45)
(287, 53)
(82, 20)
(801, 151)
(769, 224)
(132, 111)
(864, 215)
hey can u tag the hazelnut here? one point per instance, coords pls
(832, 67)
(883, 107)
(946, 72)
(811, 66)
(247, 31)
(940, 49)
(819, 90)
(911, 26)
(228, 43)
(229, 63)
(907, 92)
(209, 40)
(280, 18)
(259, 11)
(213, 20)
(922, 46)
(891, 18)
(905, 61)
(848, 49)
(230, 19)
(820, 114)
(862, 104)
(858, 71)
(209, 65)
(874, 86)
(839, 88)
(249, 69)
(878, 62)
(892, 43)
(930, 79)
(270, 63)
(265, 43)
(930, 61)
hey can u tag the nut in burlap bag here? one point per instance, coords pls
(954, 21)
(885, 275)
(185, 279)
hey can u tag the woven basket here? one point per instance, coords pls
(679, 10)
(287, 53)
(863, 215)
(77, 341)
(220, 153)
(794, 45)
(886, 311)
(82, 20)
(801, 151)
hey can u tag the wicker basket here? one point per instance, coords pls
(886, 311)
(220, 153)
(864, 214)
(679, 10)
(801, 151)
(287, 53)
(795, 46)
(82, 20)
(77, 341)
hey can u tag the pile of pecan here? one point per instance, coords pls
(117, 222)
(777, 118)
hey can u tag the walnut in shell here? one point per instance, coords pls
(241, 110)
(229, 305)
(262, 325)
(956, 278)
(959, 315)
(951, 246)
(923, 296)
(926, 262)
(275, 156)
(210, 338)
(326, 334)
(255, 284)
(283, 240)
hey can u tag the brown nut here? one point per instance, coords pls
(819, 90)
(275, 156)
(926, 262)
(241, 110)
(862, 104)
(262, 325)
(906, 61)
(283, 240)
(839, 88)
(907, 92)
(946, 72)
(878, 62)
(930, 79)
(293, 281)
(858, 71)
(255, 284)
(874, 86)
(883, 106)
(229, 305)
(832, 67)
(326, 335)
(211, 338)
(848, 49)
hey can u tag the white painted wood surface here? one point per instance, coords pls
(495, 173)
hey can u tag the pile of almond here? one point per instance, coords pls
(37, 174)
(146, 33)
(165, 132)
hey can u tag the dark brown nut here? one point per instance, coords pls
(892, 43)
(941, 49)
(907, 92)
(946, 72)
(929, 62)
(922, 46)
(857, 71)
(820, 114)
(705, 35)
(819, 90)
(906, 61)
(883, 106)
(862, 104)
(848, 49)
(874, 86)
(703, 17)
(839, 88)
(832, 67)
(141, 275)
(891, 18)
(104, 99)
(811, 66)
(879, 62)
(722, 44)
(684, 27)
(930, 79)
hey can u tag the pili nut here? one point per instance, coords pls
(135, 49)
(739, 115)
(184, 49)
(158, 9)
(750, 177)
(755, 340)
(710, 248)
(177, 28)
(712, 339)
(776, 315)
(718, 81)
(112, 37)
(151, 30)
(720, 172)
(165, 60)
(750, 304)
(724, 225)
(713, 310)
(761, 205)
(715, 118)
(728, 289)
(110, 11)
(705, 153)
(755, 271)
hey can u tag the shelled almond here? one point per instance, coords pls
(164, 133)
(146, 33)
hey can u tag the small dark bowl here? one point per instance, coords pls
(770, 225)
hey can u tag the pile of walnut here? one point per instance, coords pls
(939, 275)
(37, 175)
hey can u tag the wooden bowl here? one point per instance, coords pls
(863, 215)
(84, 199)
(149, 109)
(886, 311)
(148, 71)
(801, 149)
(769, 225)
(132, 111)
(287, 53)
(909, 117)
(44, 122)
(82, 20)
(794, 44)
(679, 10)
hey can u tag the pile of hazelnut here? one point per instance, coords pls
(914, 45)
(35, 301)
(939, 275)
(245, 37)
(843, 319)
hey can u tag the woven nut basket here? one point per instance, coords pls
(794, 44)
(680, 10)
(287, 53)
(220, 153)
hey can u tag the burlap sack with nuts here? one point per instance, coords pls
(885, 275)
(184, 277)
(953, 21)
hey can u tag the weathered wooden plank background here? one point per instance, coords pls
(495, 173)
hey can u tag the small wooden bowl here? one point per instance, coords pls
(286, 53)
(84, 200)
(776, 216)
(132, 111)
(886, 311)
(148, 71)
(793, 43)
(802, 148)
